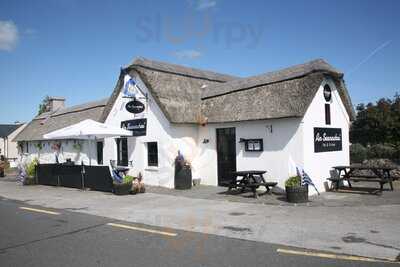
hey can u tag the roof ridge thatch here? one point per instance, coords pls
(51, 121)
(292, 72)
(181, 70)
(81, 107)
(73, 109)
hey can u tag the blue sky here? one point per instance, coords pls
(75, 48)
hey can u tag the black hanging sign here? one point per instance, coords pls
(137, 127)
(135, 107)
(327, 139)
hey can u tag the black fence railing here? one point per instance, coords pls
(75, 176)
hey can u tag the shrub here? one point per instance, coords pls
(293, 181)
(127, 179)
(30, 169)
(397, 154)
(380, 151)
(358, 153)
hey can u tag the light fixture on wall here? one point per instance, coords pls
(269, 128)
(206, 141)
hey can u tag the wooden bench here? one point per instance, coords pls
(363, 176)
(358, 178)
(253, 186)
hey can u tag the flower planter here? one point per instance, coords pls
(297, 194)
(183, 177)
(122, 189)
(29, 181)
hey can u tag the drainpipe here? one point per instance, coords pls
(4, 146)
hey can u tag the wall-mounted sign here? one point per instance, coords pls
(252, 145)
(130, 87)
(327, 139)
(137, 127)
(135, 107)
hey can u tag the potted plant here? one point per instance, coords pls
(30, 178)
(125, 187)
(39, 146)
(295, 192)
(56, 146)
(77, 147)
(183, 173)
(138, 185)
(3, 166)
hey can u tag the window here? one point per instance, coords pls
(99, 153)
(152, 154)
(327, 114)
(122, 151)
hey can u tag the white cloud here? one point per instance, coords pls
(188, 54)
(205, 4)
(8, 35)
(202, 4)
(30, 31)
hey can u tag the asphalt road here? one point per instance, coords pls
(65, 238)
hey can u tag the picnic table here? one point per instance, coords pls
(250, 179)
(379, 174)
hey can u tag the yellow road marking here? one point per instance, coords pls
(142, 229)
(41, 211)
(332, 256)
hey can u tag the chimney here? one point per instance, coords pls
(56, 103)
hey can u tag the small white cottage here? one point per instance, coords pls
(299, 116)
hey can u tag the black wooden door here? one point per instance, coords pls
(226, 154)
(122, 151)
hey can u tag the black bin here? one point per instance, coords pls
(183, 177)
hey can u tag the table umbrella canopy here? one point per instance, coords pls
(87, 129)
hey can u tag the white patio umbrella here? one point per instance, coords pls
(88, 130)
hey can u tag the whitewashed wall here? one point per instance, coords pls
(48, 155)
(281, 147)
(2, 147)
(318, 165)
(290, 143)
(9, 148)
(170, 139)
(13, 146)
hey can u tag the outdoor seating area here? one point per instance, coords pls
(361, 173)
(251, 180)
(75, 176)
(98, 178)
(358, 196)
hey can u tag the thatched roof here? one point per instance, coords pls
(176, 89)
(51, 121)
(318, 65)
(279, 100)
(279, 94)
(188, 95)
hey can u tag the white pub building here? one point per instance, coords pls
(298, 116)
